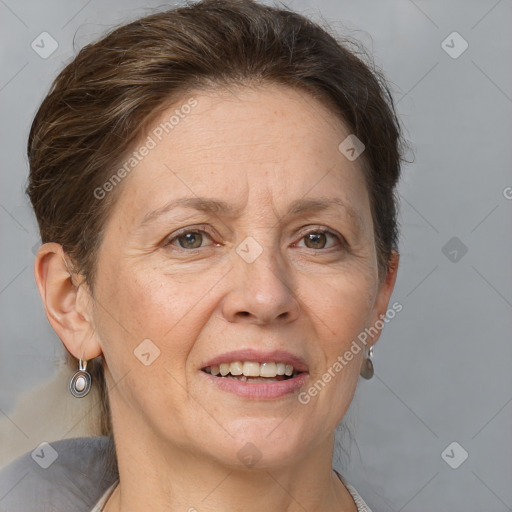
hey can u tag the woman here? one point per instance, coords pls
(214, 187)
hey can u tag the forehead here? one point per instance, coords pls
(264, 145)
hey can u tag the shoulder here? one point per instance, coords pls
(70, 474)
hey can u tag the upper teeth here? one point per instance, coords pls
(252, 369)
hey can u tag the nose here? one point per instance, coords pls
(261, 292)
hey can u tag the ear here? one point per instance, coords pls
(383, 296)
(67, 301)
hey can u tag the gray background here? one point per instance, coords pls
(443, 365)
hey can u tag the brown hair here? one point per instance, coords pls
(101, 103)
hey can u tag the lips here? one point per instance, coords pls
(257, 375)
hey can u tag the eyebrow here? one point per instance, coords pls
(305, 205)
(202, 204)
(221, 208)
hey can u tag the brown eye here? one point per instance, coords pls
(315, 240)
(190, 240)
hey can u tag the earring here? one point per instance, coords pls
(80, 383)
(367, 367)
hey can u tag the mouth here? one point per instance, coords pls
(252, 371)
(257, 375)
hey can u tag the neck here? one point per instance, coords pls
(168, 478)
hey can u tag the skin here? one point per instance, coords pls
(258, 148)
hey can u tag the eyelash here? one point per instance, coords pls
(168, 241)
(342, 244)
(204, 229)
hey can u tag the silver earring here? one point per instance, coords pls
(80, 383)
(367, 367)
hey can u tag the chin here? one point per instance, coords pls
(262, 443)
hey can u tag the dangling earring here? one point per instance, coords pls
(80, 383)
(367, 367)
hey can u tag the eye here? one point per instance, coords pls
(318, 239)
(191, 240)
(188, 239)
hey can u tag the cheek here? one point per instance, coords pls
(341, 307)
(340, 310)
(146, 303)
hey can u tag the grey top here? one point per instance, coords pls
(71, 475)
(68, 475)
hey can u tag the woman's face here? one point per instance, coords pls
(243, 235)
